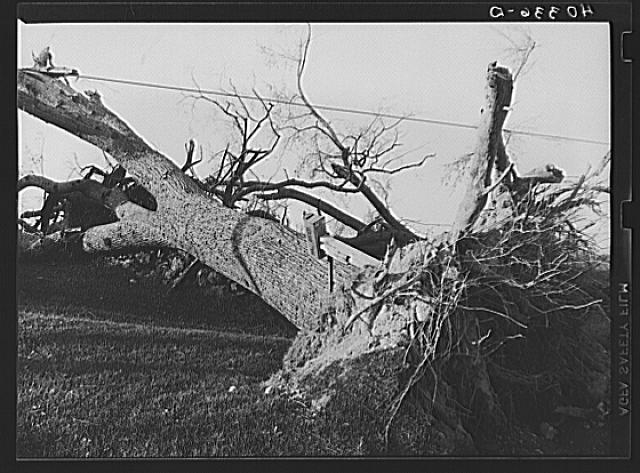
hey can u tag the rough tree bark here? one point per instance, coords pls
(478, 178)
(258, 254)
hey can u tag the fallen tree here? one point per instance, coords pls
(412, 327)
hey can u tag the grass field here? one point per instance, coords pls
(113, 367)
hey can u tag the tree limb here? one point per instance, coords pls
(110, 197)
(498, 98)
(322, 205)
(255, 186)
(327, 129)
(382, 209)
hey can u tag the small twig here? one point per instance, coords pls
(400, 168)
(571, 307)
(499, 180)
(189, 162)
(491, 311)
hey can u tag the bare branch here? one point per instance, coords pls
(111, 197)
(328, 129)
(401, 168)
(499, 180)
(189, 163)
(316, 202)
(254, 186)
(380, 206)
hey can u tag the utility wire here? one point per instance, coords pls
(334, 109)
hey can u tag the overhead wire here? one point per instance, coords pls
(332, 108)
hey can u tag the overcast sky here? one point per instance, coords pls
(428, 70)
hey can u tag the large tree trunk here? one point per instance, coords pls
(261, 255)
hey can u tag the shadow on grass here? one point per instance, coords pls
(107, 368)
(92, 289)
